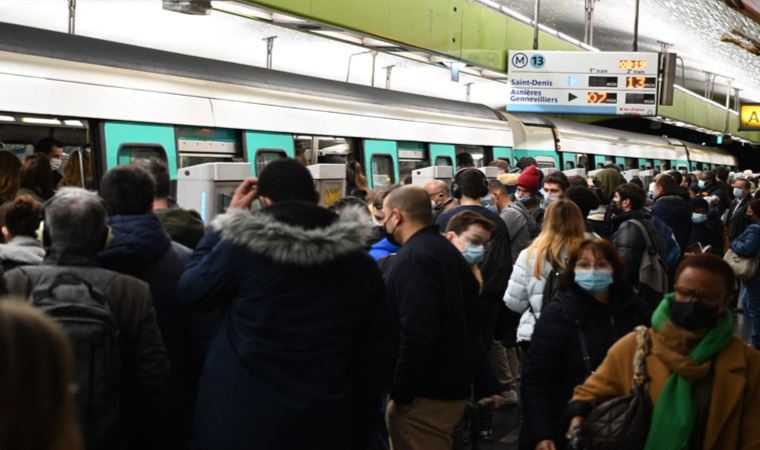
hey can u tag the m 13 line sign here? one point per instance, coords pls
(598, 83)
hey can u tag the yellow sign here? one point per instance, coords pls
(332, 192)
(749, 117)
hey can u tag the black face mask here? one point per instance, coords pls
(693, 316)
(389, 235)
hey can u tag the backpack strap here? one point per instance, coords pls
(96, 278)
(645, 234)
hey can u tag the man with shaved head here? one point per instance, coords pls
(435, 296)
(440, 195)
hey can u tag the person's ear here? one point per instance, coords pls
(450, 235)
(6, 234)
(265, 201)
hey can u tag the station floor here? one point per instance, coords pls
(506, 423)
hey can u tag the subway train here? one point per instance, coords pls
(132, 102)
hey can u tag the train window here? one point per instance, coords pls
(477, 152)
(600, 166)
(569, 165)
(129, 153)
(382, 171)
(75, 162)
(411, 156)
(266, 156)
(442, 161)
(546, 162)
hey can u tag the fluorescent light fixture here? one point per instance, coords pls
(7, 119)
(40, 121)
(73, 123)
(240, 9)
(370, 42)
(341, 35)
(284, 18)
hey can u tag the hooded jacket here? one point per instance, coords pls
(675, 212)
(185, 226)
(554, 363)
(142, 248)
(304, 350)
(21, 251)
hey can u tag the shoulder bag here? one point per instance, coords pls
(622, 423)
(744, 267)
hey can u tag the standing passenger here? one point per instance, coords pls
(37, 178)
(435, 297)
(440, 195)
(527, 193)
(672, 209)
(303, 354)
(21, 219)
(748, 246)
(736, 219)
(521, 225)
(10, 176)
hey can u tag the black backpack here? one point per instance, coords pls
(73, 296)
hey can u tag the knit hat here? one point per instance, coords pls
(509, 180)
(528, 179)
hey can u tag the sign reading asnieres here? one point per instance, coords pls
(599, 83)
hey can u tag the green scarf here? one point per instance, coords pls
(673, 416)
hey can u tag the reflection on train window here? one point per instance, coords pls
(129, 153)
(478, 153)
(266, 156)
(381, 167)
(321, 149)
(442, 161)
(545, 162)
(569, 165)
(600, 166)
(189, 159)
(411, 156)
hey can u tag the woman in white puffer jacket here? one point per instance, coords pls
(563, 230)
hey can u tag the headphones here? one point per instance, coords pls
(456, 189)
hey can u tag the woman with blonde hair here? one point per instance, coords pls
(37, 408)
(72, 170)
(545, 258)
(10, 176)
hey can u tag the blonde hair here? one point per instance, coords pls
(36, 370)
(72, 173)
(563, 231)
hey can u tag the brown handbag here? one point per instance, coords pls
(622, 423)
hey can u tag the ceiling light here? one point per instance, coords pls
(73, 123)
(341, 35)
(40, 121)
(7, 119)
(240, 9)
(284, 18)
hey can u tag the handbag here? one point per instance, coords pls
(744, 268)
(622, 423)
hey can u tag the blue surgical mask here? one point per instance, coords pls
(525, 199)
(493, 208)
(738, 193)
(548, 200)
(593, 281)
(698, 218)
(473, 254)
(701, 184)
(486, 201)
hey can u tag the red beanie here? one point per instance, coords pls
(528, 179)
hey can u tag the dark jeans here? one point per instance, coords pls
(751, 305)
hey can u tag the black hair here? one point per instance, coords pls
(160, 173)
(464, 159)
(287, 180)
(584, 197)
(721, 173)
(667, 183)
(46, 145)
(677, 175)
(697, 203)
(637, 181)
(754, 205)
(558, 178)
(525, 162)
(634, 193)
(472, 183)
(128, 190)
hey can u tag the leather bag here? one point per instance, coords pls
(622, 423)
(744, 268)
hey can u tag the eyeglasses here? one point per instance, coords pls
(432, 196)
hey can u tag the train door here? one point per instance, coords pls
(504, 153)
(443, 155)
(411, 156)
(127, 142)
(261, 148)
(196, 145)
(381, 163)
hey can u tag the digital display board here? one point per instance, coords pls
(640, 82)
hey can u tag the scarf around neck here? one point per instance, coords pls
(687, 354)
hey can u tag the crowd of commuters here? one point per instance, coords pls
(397, 318)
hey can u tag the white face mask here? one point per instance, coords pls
(56, 163)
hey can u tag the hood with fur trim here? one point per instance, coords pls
(297, 234)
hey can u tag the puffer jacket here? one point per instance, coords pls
(21, 251)
(525, 293)
(675, 212)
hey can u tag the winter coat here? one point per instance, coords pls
(434, 295)
(183, 225)
(748, 245)
(631, 245)
(21, 251)
(736, 220)
(521, 226)
(675, 212)
(142, 248)
(496, 266)
(554, 364)
(144, 362)
(304, 351)
(733, 422)
(716, 197)
(525, 293)
(710, 232)
(382, 249)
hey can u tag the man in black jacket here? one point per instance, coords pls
(672, 209)
(627, 238)
(435, 296)
(711, 191)
(736, 219)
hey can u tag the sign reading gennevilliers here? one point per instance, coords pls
(603, 83)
